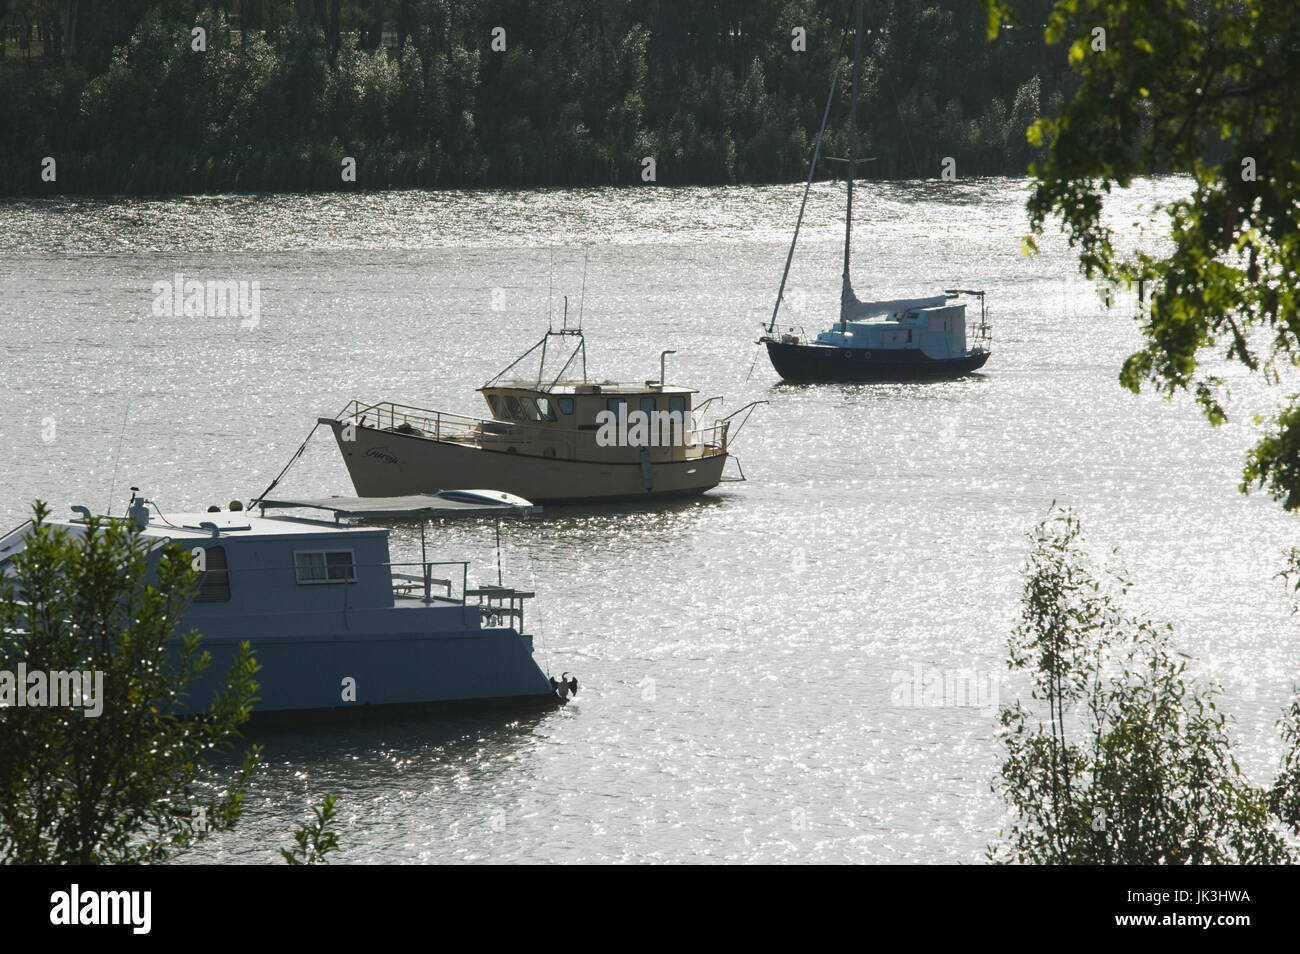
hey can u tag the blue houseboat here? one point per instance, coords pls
(336, 625)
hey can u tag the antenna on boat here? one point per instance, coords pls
(117, 458)
(847, 291)
(550, 291)
(499, 550)
(583, 299)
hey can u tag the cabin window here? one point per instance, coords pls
(909, 335)
(649, 405)
(530, 409)
(618, 406)
(565, 405)
(677, 405)
(498, 405)
(514, 410)
(546, 408)
(325, 566)
(214, 584)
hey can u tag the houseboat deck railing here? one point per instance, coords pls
(404, 584)
(442, 426)
(494, 600)
(502, 601)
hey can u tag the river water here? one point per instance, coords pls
(747, 659)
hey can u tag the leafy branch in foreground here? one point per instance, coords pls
(123, 784)
(314, 840)
(1121, 757)
(1206, 89)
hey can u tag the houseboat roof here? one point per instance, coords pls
(241, 523)
(244, 523)
(444, 503)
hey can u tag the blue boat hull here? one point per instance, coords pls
(814, 363)
(346, 675)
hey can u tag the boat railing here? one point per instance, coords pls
(502, 601)
(403, 418)
(494, 601)
(408, 584)
(440, 425)
(416, 580)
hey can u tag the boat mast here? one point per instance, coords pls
(812, 169)
(846, 293)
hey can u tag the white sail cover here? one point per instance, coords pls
(851, 308)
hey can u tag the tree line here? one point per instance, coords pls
(502, 93)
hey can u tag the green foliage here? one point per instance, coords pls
(1120, 757)
(127, 785)
(314, 840)
(580, 95)
(1207, 89)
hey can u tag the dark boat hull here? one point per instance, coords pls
(812, 363)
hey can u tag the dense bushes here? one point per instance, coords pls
(579, 96)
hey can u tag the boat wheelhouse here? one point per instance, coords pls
(563, 440)
(337, 626)
(903, 339)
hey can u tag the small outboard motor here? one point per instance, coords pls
(138, 513)
(565, 686)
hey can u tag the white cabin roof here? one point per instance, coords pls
(238, 523)
(589, 387)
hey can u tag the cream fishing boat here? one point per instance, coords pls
(562, 440)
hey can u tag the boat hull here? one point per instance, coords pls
(387, 463)
(356, 674)
(813, 363)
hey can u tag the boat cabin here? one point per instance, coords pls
(589, 420)
(937, 330)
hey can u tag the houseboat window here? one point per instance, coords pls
(214, 585)
(677, 404)
(548, 410)
(565, 404)
(618, 406)
(325, 566)
(514, 410)
(649, 405)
